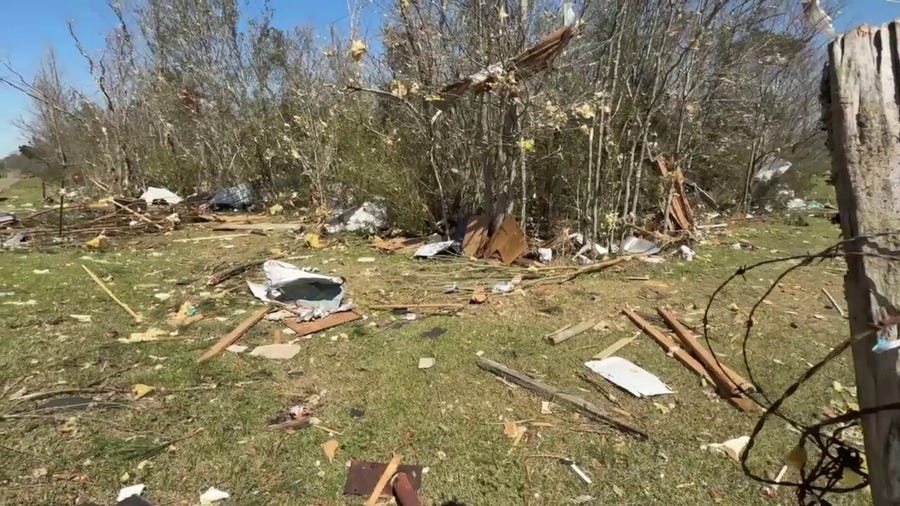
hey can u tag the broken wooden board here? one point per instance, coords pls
(508, 242)
(669, 345)
(396, 244)
(234, 335)
(477, 235)
(330, 321)
(259, 227)
(679, 215)
(570, 331)
(552, 393)
(363, 476)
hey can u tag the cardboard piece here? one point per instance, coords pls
(508, 242)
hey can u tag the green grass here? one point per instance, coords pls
(448, 418)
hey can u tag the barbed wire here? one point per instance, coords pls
(823, 474)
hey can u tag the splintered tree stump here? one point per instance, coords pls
(862, 112)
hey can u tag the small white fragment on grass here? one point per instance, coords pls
(733, 447)
(29, 302)
(213, 495)
(41, 271)
(130, 490)
(236, 348)
(426, 363)
(545, 408)
(83, 318)
(365, 260)
(479, 353)
(152, 334)
(276, 351)
(163, 296)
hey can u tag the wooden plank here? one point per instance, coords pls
(552, 393)
(260, 227)
(234, 335)
(616, 346)
(413, 305)
(570, 332)
(383, 480)
(111, 295)
(669, 345)
(732, 383)
(863, 118)
(332, 320)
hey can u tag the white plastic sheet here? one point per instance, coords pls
(153, 194)
(430, 250)
(318, 294)
(629, 377)
(636, 246)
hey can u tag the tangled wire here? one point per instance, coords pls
(825, 473)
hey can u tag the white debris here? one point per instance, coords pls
(733, 447)
(368, 217)
(213, 495)
(817, 18)
(154, 194)
(545, 255)
(276, 351)
(129, 491)
(426, 363)
(430, 250)
(686, 253)
(629, 377)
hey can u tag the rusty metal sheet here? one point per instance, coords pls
(363, 476)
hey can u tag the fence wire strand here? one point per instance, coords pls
(824, 473)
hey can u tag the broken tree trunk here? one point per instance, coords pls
(552, 393)
(862, 113)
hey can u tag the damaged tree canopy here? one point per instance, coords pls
(527, 64)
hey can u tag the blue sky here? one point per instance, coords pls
(29, 27)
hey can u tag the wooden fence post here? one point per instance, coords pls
(861, 105)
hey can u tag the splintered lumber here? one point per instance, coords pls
(834, 303)
(258, 227)
(552, 393)
(383, 480)
(413, 305)
(571, 331)
(614, 347)
(139, 215)
(332, 320)
(724, 378)
(564, 278)
(234, 335)
(669, 345)
(112, 296)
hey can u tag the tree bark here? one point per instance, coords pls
(863, 115)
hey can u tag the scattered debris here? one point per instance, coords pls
(733, 447)
(330, 321)
(678, 215)
(686, 253)
(363, 478)
(432, 249)
(502, 288)
(369, 217)
(438, 305)
(106, 289)
(476, 235)
(237, 348)
(545, 408)
(365, 260)
(577, 470)
(81, 318)
(508, 243)
(315, 295)
(238, 197)
(330, 448)
(234, 335)
(140, 390)
(187, 314)
(130, 490)
(314, 241)
(554, 394)
(276, 351)
(151, 334)
(163, 196)
(7, 219)
(834, 303)
(16, 240)
(213, 495)
(426, 363)
(396, 244)
(629, 377)
(545, 255)
(616, 346)
(637, 246)
(570, 331)
(357, 412)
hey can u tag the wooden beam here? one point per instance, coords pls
(669, 345)
(384, 479)
(234, 335)
(862, 114)
(552, 393)
(571, 331)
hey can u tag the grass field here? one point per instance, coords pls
(205, 425)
